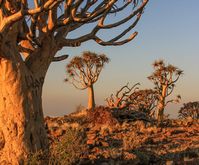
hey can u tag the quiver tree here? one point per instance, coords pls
(84, 71)
(145, 101)
(164, 78)
(123, 97)
(31, 33)
(189, 110)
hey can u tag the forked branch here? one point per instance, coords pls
(122, 98)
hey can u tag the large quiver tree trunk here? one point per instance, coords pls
(21, 118)
(22, 128)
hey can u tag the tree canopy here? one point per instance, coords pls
(84, 70)
(164, 78)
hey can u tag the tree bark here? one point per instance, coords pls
(161, 105)
(22, 127)
(91, 98)
(160, 112)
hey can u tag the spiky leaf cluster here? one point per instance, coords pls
(164, 75)
(84, 70)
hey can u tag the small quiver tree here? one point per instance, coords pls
(122, 98)
(189, 110)
(84, 71)
(164, 78)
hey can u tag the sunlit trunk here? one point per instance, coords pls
(91, 98)
(21, 118)
(161, 105)
(160, 112)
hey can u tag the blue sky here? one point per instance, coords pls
(168, 30)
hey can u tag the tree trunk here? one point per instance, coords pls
(160, 111)
(22, 127)
(91, 98)
(161, 105)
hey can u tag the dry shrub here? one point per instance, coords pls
(38, 158)
(69, 148)
(65, 151)
(102, 116)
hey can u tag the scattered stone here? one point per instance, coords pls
(129, 137)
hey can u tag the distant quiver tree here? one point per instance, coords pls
(164, 78)
(84, 71)
(31, 34)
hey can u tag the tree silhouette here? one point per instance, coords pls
(164, 78)
(84, 71)
(189, 110)
(31, 33)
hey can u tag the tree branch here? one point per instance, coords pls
(100, 13)
(109, 43)
(60, 58)
(8, 21)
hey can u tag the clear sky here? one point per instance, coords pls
(169, 30)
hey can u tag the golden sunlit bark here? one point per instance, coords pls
(161, 104)
(91, 98)
(21, 115)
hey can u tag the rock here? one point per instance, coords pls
(177, 131)
(149, 141)
(91, 136)
(104, 144)
(90, 142)
(116, 144)
(57, 133)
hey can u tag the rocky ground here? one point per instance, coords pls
(126, 137)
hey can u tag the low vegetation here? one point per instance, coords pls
(115, 136)
(126, 130)
(65, 150)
